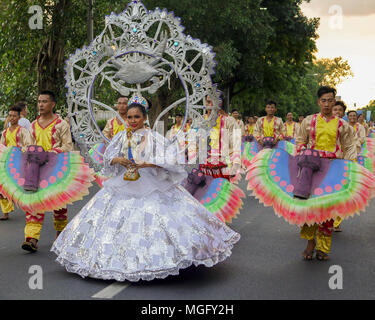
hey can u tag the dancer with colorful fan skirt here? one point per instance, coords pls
(339, 111)
(13, 136)
(269, 126)
(143, 224)
(319, 184)
(47, 176)
(213, 183)
(177, 127)
(290, 128)
(362, 121)
(249, 129)
(360, 131)
(236, 115)
(177, 130)
(269, 132)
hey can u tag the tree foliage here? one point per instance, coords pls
(260, 53)
(370, 107)
(331, 72)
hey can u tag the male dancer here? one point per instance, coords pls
(291, 127)
(114, 125)
(236, 115)
(269, 126)
(13, 136)
(249, 128)
(224, 142)
(333, 138)
(53, 134)
(339, 111)
(300, 119)
(176, 127)
(359, 130)
(362, 121)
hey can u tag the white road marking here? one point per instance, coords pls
(110, 291)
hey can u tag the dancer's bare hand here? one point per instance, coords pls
(123, 162)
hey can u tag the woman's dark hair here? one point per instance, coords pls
(139, 106)
(325, 89)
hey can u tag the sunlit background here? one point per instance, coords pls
(354, 41)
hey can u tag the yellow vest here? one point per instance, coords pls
(268, 127)
(215, 135)
(326, 134)
(290, 129)
(44, 135)
(11, 137)
(251, 128)
(117, 127)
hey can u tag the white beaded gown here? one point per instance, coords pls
(144, 229)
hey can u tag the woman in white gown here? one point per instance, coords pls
(144, 229)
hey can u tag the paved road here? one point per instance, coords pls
(265, 264)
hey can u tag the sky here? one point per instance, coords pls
(347, 29)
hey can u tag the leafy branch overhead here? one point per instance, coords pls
(260, 53)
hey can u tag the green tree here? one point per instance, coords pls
(331, 72)
(370, 107)
(258, 51)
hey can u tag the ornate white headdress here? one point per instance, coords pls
(139, 51)
(137, 98)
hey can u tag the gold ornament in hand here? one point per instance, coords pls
(131, 173)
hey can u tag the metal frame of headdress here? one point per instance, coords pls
(133, 59)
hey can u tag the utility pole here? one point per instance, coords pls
(90, 27)
(90, 22)
(228, 99)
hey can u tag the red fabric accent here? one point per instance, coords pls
(61, 214)
(326, 154)
(5, 136)
(214, 170)
(112, 122)
(18, 137)
(58, 150)
(53, 131)
(33, 218)
(313, 130)
(37, 119)
(221, 128)
(327, 227)
(339, 125)
(300, 147)
(33, 129)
